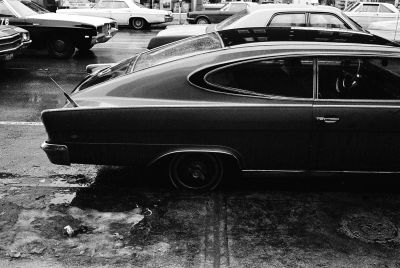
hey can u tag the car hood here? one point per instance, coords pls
(184, 30)
(51, 17)
(384, 25)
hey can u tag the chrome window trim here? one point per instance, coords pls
(249, 92)
(355, 100)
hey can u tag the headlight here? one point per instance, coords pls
(25, 37)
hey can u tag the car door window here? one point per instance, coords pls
(383, 9)
(327, 21)
(287, 20)
(4, 11)
(359, 78)
(368, 8)
(105, 4)
(120, 4)
(290, 77)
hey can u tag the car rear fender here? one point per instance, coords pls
(222, 151)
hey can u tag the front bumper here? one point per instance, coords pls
(26, 44)
(57, 153)
(8, 54)
(102, 37)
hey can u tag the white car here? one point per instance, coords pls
(125, 12)
(365, 13)
(279, 15)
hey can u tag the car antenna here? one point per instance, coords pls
(65, 93)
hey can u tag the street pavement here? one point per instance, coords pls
(97, 216)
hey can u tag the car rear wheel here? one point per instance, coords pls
(202, 20)
(138, 23)
(196, 171)
(60, 47)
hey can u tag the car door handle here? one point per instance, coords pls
(327, 120)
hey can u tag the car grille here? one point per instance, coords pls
(106, 28)
(11, 42)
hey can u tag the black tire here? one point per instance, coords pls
(60, 47)
(202, 20)
(196, 171)
(138, 23)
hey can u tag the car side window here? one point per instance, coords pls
(359, 78)
(383, 9)
(105, 4)
(368, 8)
(4, 11)
(289, 77)
(326, 21)
(120, 4)
(288, 20)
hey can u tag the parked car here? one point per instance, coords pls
(61, 34)
(365, 13)
(34, 6)
(277, 15)
(125, 12)
(12, 40)
(216, 16)
(250, 99)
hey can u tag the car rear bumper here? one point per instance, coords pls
(57, 153)
(190, 20)
(102, 38)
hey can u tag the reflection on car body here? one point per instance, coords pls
(258, 99)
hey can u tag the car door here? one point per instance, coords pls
(357, 114)
(120, 12)
(365, 14)
(274, 132)
(384, 13)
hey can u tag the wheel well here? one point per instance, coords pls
(202, 17)
(132, 18)
(228, 157)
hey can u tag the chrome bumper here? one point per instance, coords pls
(102, 37)
(57, 153)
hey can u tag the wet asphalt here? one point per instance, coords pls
(124, 217)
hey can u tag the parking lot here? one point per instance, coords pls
(97, 216)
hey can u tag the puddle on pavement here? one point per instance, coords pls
(65, 197)
(370, 228)
(7, 175)
(79, 179)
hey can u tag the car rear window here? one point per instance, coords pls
(181, 49)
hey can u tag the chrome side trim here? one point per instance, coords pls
(316, 172)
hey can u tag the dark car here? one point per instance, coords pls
(216, 16)
(258, 100)
(61, 34)
(12, 40)
(274, 15)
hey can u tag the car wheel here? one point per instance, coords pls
(60, 47)
(195, 171)
(202, 21)
(138, 23)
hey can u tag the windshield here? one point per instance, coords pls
(180, 49)
(35, 7)
(21, 9)
(360, 28)
(225, 23)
